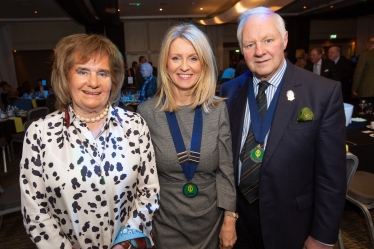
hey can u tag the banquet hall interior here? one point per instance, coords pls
(30, 29)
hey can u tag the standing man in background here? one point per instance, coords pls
(343, 70)
(319, 65)
(363, 78)
(139, 77)
(288, 144)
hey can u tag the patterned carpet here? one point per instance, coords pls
(12, 234)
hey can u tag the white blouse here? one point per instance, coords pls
(64, 205)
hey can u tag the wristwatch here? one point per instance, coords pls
(231, 214)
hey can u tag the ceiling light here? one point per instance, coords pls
(332, 6)
(119, 10)
(160, 9)
(35, 12)
(201, 8)
(304, 7)
(15, 51)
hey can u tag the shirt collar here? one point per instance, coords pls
(277, 77)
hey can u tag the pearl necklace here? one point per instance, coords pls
(95, 119)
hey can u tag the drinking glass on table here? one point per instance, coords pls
(362, 105)
(369, 108)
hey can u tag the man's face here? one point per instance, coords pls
(263, 46)
(314, 56)
(370, 44)
(333, 53)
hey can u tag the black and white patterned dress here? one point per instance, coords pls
(63, 203)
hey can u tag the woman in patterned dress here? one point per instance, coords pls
(88, 170)
(198, 211)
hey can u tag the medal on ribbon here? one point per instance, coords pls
(257, 154)
(190, 190)
(188, 161)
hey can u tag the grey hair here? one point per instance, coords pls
(259, 11)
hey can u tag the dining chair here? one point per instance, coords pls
(23, 104)
(10, 200)
(4, 145)
(50, 103)
(38, 112)
(352, 164)
(19, 137)
(361, 193)
(127, 107)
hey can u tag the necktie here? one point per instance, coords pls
(315, 68)
(250, 173)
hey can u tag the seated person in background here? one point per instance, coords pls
(150, 82)
(88, 172)
(39, 87)
(24, 88)
(6, 92)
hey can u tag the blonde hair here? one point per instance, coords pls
(80, 48)
(204, 89)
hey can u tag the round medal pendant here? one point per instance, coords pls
(190, 190)
(257, 154)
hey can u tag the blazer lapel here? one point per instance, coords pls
(237, 120)
(283, 111)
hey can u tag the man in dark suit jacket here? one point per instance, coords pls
(302, 179)
(324, 67)
(343, 70)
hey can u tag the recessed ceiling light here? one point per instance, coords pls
(160, 9)
(332, 6)
(201, 8)
(119, 10)
(15, 51)
(35, 12)
(304, 7)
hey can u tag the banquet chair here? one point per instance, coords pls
(38, 112)
(361, 193)
(10, 200)
(19, 137)
(3, 145)
(352, 164)
(127, 107)
(23, 104)
(50, 103)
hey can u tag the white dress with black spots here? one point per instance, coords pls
(63, 203)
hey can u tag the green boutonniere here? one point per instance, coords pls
(305, 115)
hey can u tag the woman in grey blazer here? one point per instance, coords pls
(191, 135)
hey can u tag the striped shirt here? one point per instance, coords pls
(270, 91)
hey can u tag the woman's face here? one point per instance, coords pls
(89, 85)
(183, 65)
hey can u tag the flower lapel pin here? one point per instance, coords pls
(290, 95)
(305, 115)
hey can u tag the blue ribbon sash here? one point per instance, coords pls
(261, 127)
(188, 163)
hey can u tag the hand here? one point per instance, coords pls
(311, 243)
(117, 246)
(227, 235)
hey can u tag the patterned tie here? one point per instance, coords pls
(250, 173)
(315, 68)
